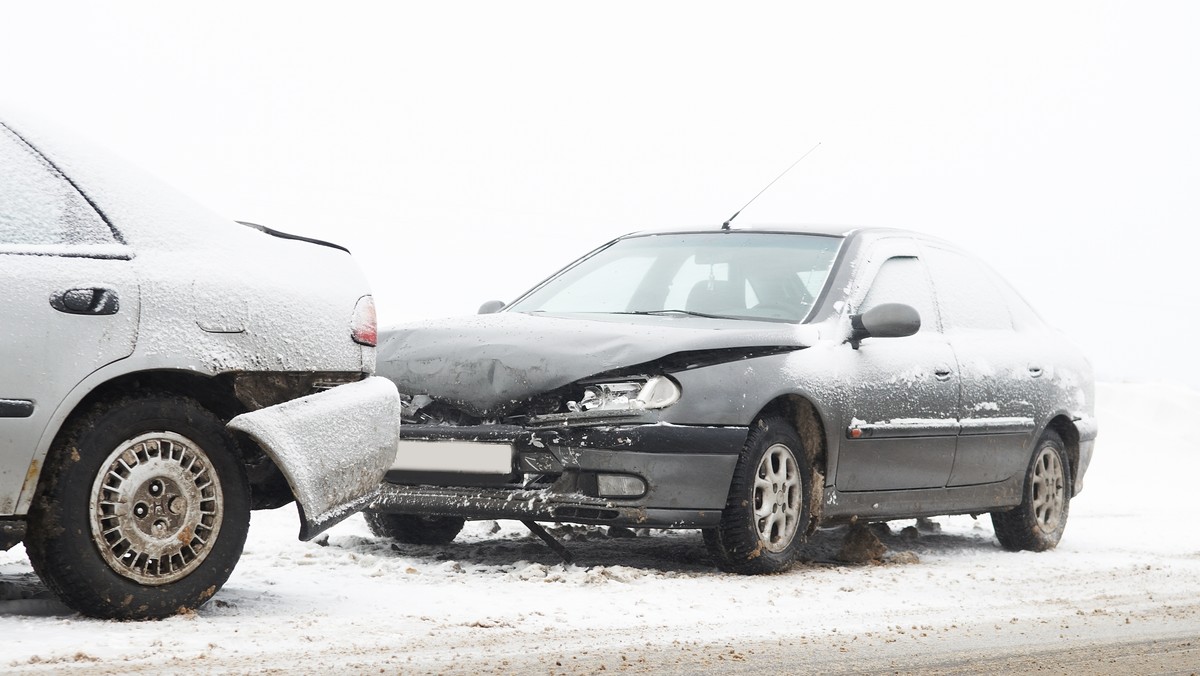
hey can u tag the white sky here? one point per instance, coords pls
(464, 151)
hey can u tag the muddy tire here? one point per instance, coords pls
(412, 529)
(142, 509)
(765, 519)
(1037, 524)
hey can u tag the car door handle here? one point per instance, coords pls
(86, 301)
(1035, 371)
(943, 374)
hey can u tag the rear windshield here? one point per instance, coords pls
(736, 275)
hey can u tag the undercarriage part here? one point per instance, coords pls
(558, 547)
(543, 505)
(262, 389)
(12, 531)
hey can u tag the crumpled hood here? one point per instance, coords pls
(486, 364)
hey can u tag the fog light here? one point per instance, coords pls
(619, 486)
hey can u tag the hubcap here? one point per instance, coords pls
(156, 508)
(777, 498)
(1049, 489)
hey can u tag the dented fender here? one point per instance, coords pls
(333, 447)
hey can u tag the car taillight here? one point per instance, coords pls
(363, 327)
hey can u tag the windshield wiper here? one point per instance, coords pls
(690, 313)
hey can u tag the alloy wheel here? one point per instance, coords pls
(777, 498)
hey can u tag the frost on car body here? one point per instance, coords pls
(135, 326)
(819, 376)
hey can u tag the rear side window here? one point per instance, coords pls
(37, 205)
(967, 294)
(903, 279)
(1024, 317)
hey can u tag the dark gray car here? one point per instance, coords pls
(754, 383)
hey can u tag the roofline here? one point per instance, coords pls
(828, 230)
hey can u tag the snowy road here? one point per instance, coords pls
(1122, 590)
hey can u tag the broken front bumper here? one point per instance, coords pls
(333, 447)
(665, 476)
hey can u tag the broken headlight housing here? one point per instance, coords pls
(627, 395)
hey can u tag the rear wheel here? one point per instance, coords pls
(766, 515)
(1037, 524)
(142, 509)
(413, 529)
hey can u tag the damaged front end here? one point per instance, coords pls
(564, 418)
(594, 452)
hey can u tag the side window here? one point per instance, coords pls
(966, 293)
(37, 205)
(1024, 317)
(903, 279)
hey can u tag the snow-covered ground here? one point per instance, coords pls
(1128, 568)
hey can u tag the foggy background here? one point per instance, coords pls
(465, 150)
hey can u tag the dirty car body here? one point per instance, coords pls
(135, 325)
(752, 381)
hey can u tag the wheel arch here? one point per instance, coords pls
(806, 419)
(1066, 430)
(217, 394)
(213, 392)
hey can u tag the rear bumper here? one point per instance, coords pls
(333, 447)
(560, 474)
(1087, 429)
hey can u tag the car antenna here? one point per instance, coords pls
(725, 225)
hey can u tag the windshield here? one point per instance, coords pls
(737, 275)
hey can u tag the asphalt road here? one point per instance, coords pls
(1173, 652)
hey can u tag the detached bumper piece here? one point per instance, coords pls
(334, 447)
(663, 476)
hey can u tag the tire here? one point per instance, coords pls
(142, 509)
(1037, 524)
(766, 516)
(413, 529)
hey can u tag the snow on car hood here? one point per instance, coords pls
(487, 364)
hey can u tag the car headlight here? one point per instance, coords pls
(629, 395)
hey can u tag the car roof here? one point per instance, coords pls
(826, 230)
(856, 237)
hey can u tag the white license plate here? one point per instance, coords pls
(473, 457)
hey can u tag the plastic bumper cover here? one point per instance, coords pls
(685, 472)
(334, 447)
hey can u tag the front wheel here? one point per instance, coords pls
(414, 529)
(142, 509)
(766, 516)
(1037, 524)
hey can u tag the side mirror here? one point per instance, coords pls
(888, 320)
(491, 307)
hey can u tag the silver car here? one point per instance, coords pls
(163, 371)
(753, 383)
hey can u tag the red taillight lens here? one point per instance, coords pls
(363, 327)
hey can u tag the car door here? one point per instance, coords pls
(69, 304)
(903, 391)
(998, 367)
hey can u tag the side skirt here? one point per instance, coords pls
(842, 507)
